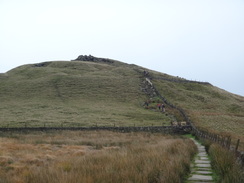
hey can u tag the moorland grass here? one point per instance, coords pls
(225, 165)
(84, 93)
(89, 93)
(208, 107)
(100, 156)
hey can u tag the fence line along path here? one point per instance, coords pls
(201, 170)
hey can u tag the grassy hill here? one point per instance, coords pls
(110, 93)
(86, 93)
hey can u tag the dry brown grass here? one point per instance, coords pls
(94, 157)
(224, 163)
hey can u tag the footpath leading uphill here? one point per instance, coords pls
(201, 170)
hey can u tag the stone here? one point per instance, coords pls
(201, 165)
(93, 59)
(202, 169)
(43, 64)
(201, 154)
(202, 161)
(204, 172)
(196, 177)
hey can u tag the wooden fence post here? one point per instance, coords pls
(237, 145)
(229, 143)
(218, 139)
(226, 142)
(223, 141)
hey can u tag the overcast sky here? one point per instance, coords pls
(200, 40)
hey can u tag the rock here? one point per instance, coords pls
(43, 64)
(93, 59)
(201, 178)
(204, 172)
(202, 161)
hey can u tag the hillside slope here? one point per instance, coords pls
(207, 106)
(86, 93)
(108, 92)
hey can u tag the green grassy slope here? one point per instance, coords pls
(209, 107)
(90, 93)
(86, 93)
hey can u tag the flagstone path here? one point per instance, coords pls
(201, 170)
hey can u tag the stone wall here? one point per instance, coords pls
(153, 129)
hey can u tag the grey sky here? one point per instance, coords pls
(196, 39)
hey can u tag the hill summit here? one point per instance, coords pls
(93, 59)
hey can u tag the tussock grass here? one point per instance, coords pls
(224, 163)
(94, 157)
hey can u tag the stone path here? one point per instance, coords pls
(201, 170)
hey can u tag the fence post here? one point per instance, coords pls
(229, 143)
(216, 138)
(223, 141)
(226, 142)
(220, 139)
(237, 145)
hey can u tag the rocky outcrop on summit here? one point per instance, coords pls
(93, 59)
